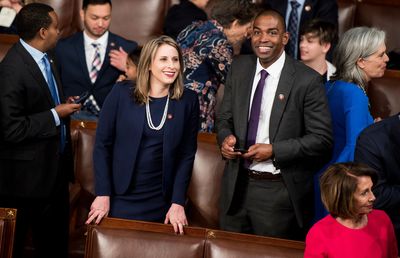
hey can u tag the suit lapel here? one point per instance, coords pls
(80, 50)
(58, 81)
(169, 128)
(34, 69)
(242, 100)
(135, 120)
(286, 82)
(106, 61)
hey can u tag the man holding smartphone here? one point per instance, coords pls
(91, 61)
(35, 148)
(274, 130)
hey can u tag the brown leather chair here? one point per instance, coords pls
(384, 94)
(385, 17)
(68, 15)
(82, 191)
(223, 244)
(7, 231)
(347, 10)
(204, 188)
(6, 42)
(138, 20)
(129, 238)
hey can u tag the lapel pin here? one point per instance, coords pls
(169, 116)
(307, 8)
(281, 97)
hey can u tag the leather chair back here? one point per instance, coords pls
(139, 20)
(6, 42)
(204, 188)
(68, 15)
(128, 238)
(347, 11)
(7, 231)
(222, 244)
(385, 17)
(82, 191)
(384, 94)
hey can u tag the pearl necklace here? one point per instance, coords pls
(164, 117)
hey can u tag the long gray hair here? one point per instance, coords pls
(356, 43)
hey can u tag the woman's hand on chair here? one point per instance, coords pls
(99, 209)
(177, 217)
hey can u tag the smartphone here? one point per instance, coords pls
(82, 98)
(241, 150)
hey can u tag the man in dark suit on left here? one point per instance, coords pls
(35, 152)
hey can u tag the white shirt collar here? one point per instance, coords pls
(103, 40)
(275, 68)
(36, 54)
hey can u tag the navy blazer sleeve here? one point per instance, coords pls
(104, 144)
(187, 149)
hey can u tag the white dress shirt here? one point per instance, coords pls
(90, 50)
(270, 87)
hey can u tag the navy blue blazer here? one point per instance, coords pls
(118, 136)
(378, 146)
(74, 74)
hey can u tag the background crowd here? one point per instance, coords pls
(290, 119)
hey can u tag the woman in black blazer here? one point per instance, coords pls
(146, 141)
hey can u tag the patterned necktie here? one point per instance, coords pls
(255, 110)
(292, 29)
(53, 90)
(96, 63)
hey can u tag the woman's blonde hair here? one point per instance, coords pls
(141, 91)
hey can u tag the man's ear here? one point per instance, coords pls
(285, 38)
(82, 14)
(325, 47)
(42, 33)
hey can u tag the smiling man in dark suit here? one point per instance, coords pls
(284, 124)
(35, 152)
(91, 61)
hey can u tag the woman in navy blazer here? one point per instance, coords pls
(146, 141)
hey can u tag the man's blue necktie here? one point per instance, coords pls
(53, 90)
(292, 29)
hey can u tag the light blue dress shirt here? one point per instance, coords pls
(38, 57)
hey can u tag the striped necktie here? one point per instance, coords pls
(96, 63)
